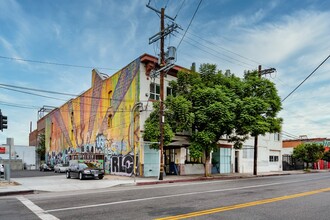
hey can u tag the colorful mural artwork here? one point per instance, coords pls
(98, 121)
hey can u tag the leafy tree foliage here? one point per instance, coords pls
(152, 131)
(211, 104)
(41, 148)
(308, 152)
(326, 156)
(260, 105)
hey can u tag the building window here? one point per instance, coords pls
(169, 91)
(154, 91)
(273, 158)
(248, 152)
(190, 159)
(110, 121)
(277, 137)
(110, 97)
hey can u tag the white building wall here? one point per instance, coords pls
(269, 154)
(19, 152)
(27, 154)
(145, 92)
(287, 150)
(268, 145)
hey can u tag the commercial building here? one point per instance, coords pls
(109, 119)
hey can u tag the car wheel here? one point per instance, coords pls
(54, 171)
(68, 175)
(101, 177)
(81, 176)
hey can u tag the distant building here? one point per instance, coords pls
(22, 157)
(289, 145)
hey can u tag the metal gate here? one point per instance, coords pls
(151, 162)
(289, 163)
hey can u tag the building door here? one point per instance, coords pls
(170, 166)
(151, 162)
(236, 161)
(274, 160)
(225, 160)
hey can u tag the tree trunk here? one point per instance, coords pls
(207, 164)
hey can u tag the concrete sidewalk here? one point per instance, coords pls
(59, 183)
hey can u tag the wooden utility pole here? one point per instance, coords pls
(164, 66)
(161, 109)
(255, 155)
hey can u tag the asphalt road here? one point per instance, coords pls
(304, 196)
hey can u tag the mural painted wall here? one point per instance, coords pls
(98, 121)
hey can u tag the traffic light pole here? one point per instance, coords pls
(3, 121)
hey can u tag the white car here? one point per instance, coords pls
(60, 168)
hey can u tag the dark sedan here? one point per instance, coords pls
(84, 170)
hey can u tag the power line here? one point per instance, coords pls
(189, 23)
(19, 106)
(179, 9)
(306, 78)
(30, 93)
(289, 135)
(215, 55)
(62, 110)
(219, 52)
(53, 63)
(212, 43)
(53, 92)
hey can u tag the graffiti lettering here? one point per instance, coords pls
(122, 164)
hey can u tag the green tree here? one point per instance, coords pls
(326, 156)
(308, 152)
(152, 131)
(260, 105)
(41, 148)
(211, 105)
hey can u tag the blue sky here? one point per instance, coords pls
(291, 36)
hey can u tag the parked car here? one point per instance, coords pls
(84, 170)
(2, 169)
(46, 167)
(60, 168)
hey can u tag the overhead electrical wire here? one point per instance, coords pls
(215, 55)
(179, 9)
(306, 78)
(54, 63)
(189, 23)
(57, 93)
(210, 48)
(217, 45)
(30, 93)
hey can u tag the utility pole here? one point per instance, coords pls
(161, 109)
(165, 64)
(255, 155)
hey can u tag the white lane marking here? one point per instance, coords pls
(169, 196)
(36, 209)
(175, 184)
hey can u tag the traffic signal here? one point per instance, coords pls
(3, 122)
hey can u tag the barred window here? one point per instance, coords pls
(273, 158)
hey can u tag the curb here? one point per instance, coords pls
(22, 192)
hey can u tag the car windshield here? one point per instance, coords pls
(88, 165)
